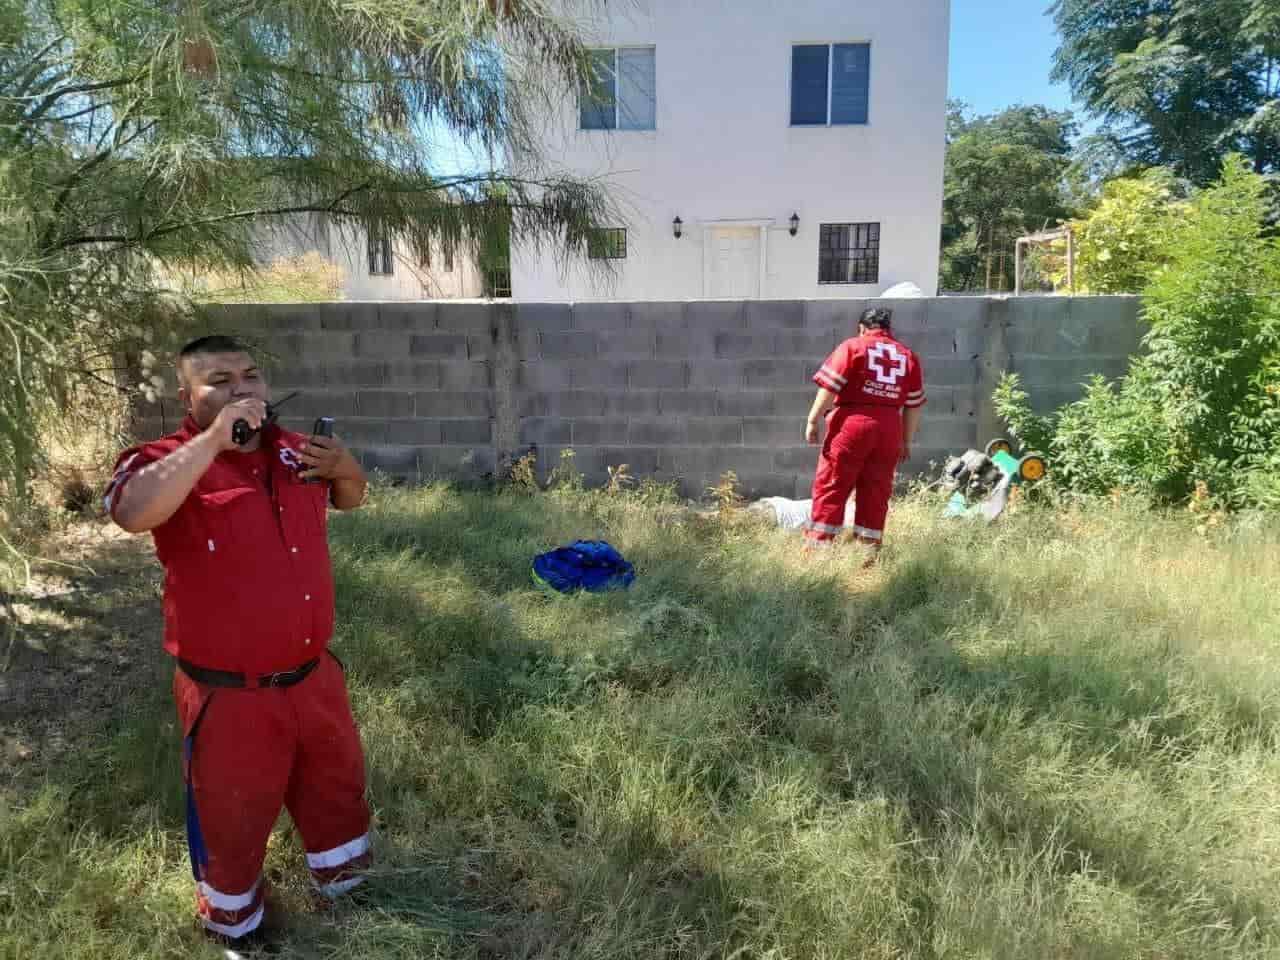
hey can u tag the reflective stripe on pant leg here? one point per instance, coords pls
(242, 929)
(239, 768)
(821, 532)
(229, 914)
(232, 915)
(334, 872)
(326, 797)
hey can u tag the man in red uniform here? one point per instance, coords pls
(874, 388)
(248, 609)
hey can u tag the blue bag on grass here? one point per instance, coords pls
(590, 565)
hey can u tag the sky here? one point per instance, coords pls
(1001, 54)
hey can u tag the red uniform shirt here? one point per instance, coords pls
(873, 369)
(248, 584)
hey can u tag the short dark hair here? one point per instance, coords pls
(213, 343)
(876, 317)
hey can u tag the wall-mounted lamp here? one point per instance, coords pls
(677, 227)
(795, 223)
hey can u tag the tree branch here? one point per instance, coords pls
(106, 383)
(52, 98)
(35, 65)
(350, 193)
(118, 238)
(333, 207)
(78, 174)
(164, 231)
(32, 78)
(249, 215)
(67, 117)
(272, 66)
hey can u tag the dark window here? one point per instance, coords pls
(609, 244)
(446, 257)
(850, 82)
(637, 93)
(497, 283)
(809, 72)
(830, 84)
(380, 262)
(620, 94)
(598, 99)
(849, 253)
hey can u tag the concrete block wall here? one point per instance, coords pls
(681, 391)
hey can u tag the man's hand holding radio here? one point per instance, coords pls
(250, 409)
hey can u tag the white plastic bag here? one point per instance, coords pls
(794, 514)
(902, 291)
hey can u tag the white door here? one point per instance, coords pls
(734, 263)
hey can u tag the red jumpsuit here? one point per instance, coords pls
(873, 377)
(248, 595)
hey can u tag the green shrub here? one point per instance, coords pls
(1123, 244)
(1201, 408)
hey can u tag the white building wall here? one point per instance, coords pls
(347, 248)
(410, 280)
(724, 150)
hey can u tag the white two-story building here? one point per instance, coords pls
(756, 149)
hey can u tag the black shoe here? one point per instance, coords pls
(361, 896)
(258, 943)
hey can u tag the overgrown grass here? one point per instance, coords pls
(1056, 737)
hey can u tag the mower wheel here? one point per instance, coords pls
(999, 445)
(1032, 467)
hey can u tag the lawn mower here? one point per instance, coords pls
(980, 482)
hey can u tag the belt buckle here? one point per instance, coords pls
(273, 679)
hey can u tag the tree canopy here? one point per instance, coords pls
(140, 134)
(1005, 176)
(1177, 83)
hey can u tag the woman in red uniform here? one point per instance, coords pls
(874, 388)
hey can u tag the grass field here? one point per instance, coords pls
(1054, 738)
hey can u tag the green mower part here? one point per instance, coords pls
(997, 471)
(1027, 469)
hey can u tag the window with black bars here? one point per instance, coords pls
(608, 244)
(849, 253)
(380, 262)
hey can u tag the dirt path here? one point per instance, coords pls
(73, 646)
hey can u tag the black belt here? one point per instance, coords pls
(222, 678)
